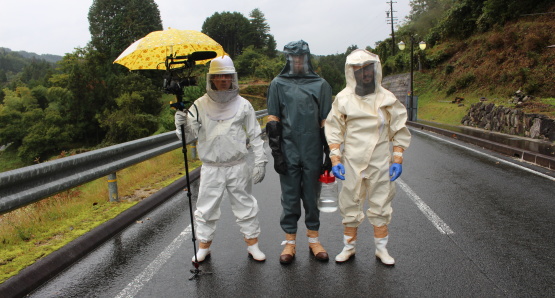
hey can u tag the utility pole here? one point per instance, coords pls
(391, 20)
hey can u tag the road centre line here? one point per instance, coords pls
(488, 155)
(428, 212)
(137, 284)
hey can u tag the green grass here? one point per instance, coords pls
(9, 160)
(32, 232)
(434, 104)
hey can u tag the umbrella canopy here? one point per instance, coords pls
(152, 51)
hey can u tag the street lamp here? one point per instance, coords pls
(411, 105)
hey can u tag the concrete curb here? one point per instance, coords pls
(46, 268)
(533, 157)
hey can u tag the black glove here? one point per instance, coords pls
(273, 130)
(327, 161)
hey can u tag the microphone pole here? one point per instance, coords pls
(196, 272)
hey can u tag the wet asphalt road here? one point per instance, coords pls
(466, 223)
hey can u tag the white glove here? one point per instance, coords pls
(180, 118)
(259, 172)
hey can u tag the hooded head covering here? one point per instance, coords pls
(222, 68)
(298, 63)
(363, 72)
(224, 103)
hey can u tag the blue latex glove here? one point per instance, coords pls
(338, 171)
(395, 170)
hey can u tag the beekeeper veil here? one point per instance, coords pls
(222, 87)
(221, 81)
(298, 63)
(363, 72)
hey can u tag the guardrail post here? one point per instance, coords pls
(193, 150)
(113, 187)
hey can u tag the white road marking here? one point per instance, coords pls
(485, 154)
(137, 284)
(428, 212)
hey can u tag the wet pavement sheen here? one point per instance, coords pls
(500, 246)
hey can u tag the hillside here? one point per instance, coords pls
(491, 66)
(29, 55)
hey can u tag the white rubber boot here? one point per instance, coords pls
(203, 252)
(254, 250)
(348, 250)
(349, 239)
(256, 253)
(381, 251)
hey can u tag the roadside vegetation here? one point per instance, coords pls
(493, 66)
(32, 232)
(82, 102)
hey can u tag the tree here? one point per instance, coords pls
(19, 111)
(37, 72)
(260, 29)
(350, 49)
(91, 88)
(426, 14)
(253, 62)
(116, 24)
(501, 11)
(3, 76)
(48, 136)
(127, 122)
(271, 46)
(230, 29)
(332, 69)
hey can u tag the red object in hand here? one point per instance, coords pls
(327, 177)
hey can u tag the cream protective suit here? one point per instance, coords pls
(365, 126)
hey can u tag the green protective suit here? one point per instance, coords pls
(301, 100)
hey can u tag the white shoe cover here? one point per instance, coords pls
(381, 251)
(347, 252)
(201, 254)
(256, 253)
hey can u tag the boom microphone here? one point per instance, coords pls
(202, 55)
(197, 56)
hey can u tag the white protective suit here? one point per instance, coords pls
(365, 121)
(222, 121)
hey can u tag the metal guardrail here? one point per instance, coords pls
(30, 184)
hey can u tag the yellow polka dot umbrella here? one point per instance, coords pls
(152, 51)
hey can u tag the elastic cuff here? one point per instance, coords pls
(251, 241)
(380, 232)
(334, 146)
(335, 160)
(398, 149)
(273, 118)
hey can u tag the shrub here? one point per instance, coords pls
(465, 81)
(535, 42)
(450, 90)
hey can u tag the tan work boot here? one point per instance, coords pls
(381, 237)
(203, 251)
(254, 251)
(349, 239)
(288, 253)
(315, 246)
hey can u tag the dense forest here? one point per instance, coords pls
(83, 101)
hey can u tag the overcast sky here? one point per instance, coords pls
(329, 26)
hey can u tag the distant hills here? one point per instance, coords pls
(28, 55)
